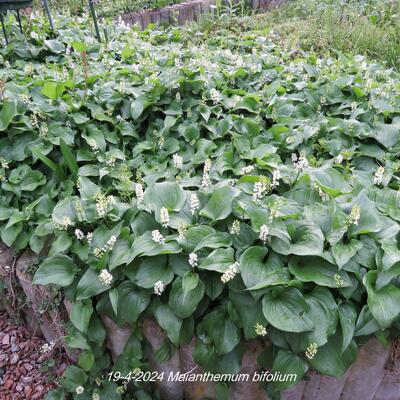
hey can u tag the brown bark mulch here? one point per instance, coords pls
(26, 372)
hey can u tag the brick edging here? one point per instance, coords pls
(188, 11)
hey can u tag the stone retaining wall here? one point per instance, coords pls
(374, 376)
(189, 11)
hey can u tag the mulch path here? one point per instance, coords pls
(25, 371)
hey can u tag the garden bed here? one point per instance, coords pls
(157, 188)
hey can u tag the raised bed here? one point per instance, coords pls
(375, 375)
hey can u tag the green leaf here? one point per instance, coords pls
(370, 220)
(80, 315)
(347, 317)
(55, 46)
(366, 323)
(86, 360)
(53, 90)
(305, 239)
(243, 302)
(330, 361)
(190, 281)
(150, 270)
(330, 180)
(166, 194)
(169, 322)
(319, 271)
(79, 46)
(219, 260)
(114, 296)
(144, 245)
(90, 285)
(57, 270)
(214, 241)
(258, 271)
(184, 303)
(220, 330)
(46, 161)
(56, 394)
(7, 113)
(206, 357)
(138, 106)
(324, 315)
(288, 363)
(73, 377)
(219, 205)
(69, 158)
(132, 301)
(287, 310)
(384, 303)
(343, 253)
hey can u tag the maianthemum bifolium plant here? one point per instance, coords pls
(231, 193)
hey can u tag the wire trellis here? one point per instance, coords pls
(17, 5)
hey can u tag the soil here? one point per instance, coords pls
(26, 372)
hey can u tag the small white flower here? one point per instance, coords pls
(105, 277)
(111, 162)
(339, 280)
(79, 234)
(25, 98)
(139, 192)
(379, 175)
(259, 190)
(354, 215)
(322, 194)
(215, 95)
(157, 237)
(338, 159)
(235, 229)
(111, 242)
(164, 217)
(102, 203)
(206, 181)
(182, 231)
(159, 287)
(260, 330)
(79, 390)
(194, 203)
(276, 175)
(247, 170)
(311, 350)
(230, 273)
(178, 161)
(89, 237)
(64, 224)
(4, 163)
(207, 166)
(193, 260)
(301, 162)
(47, 347)
(93, 145)
(264, 231)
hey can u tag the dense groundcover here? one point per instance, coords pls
(231, 193)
